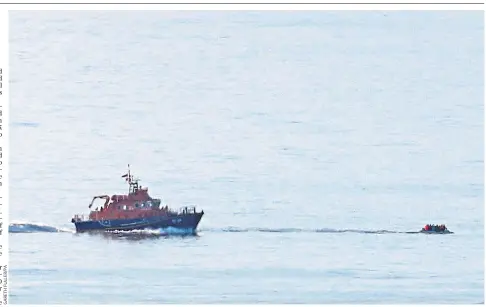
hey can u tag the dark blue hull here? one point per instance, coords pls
(179, 221)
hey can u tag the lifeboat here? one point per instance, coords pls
(135, 210)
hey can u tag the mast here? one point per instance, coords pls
(132, 183)
(129, 180)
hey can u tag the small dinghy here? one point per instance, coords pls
(433, 229)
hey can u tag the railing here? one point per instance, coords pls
(81, 218)
(187, 210)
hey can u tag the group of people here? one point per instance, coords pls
(429, 227)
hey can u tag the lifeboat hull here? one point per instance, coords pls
(183, 221)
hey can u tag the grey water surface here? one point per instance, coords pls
(315, 142)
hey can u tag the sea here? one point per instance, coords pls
(318, 144)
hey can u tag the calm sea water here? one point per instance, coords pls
(312, 140)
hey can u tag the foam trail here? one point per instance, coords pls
(306, 230)
(155, 232)
(34, 227)
(26, 227)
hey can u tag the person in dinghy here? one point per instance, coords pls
(432, 228)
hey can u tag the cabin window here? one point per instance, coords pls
(136, 205)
